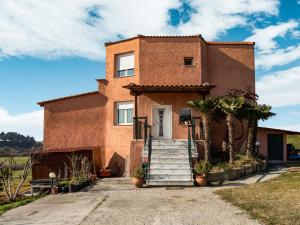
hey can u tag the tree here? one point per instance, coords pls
(6, 175)
(206, 107)
(253, 113)
(231, 106)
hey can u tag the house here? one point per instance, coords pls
(142, 105)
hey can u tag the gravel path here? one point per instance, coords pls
(158, 206)
(116, 202)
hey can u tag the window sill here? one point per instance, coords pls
(117, 77)
(124, 125)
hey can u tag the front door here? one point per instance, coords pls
(162, 122)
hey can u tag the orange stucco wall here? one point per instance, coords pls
(90, 120)
(75, 122)
(161, 61)
(262, 137)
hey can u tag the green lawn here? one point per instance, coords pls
(18, 159)
(273, 202)
(16, 175)
(295, 140)
(10, 205)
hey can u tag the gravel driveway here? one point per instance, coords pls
(117, 202)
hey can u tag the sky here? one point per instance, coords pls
(55, 48)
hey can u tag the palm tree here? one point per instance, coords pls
(254, 112)
(206, 107)
(231, 106)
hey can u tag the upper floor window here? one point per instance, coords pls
(188, 61)
(125, 65)
(124, 113)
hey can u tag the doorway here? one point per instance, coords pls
(162, 122)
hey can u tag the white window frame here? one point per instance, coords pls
(126, 106)
(126, 70)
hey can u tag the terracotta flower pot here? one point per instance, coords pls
(201, 180)
(138, 181)
(54, 190)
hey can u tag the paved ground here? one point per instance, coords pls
(117, 202)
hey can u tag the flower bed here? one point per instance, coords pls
(243, 166)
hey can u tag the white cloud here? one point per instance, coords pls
(25, 123)
(278, 57)
(280, 88)
(56, 28)
(265, 37)
(269, 53)
(214, 18)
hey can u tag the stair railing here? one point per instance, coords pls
(145, 134)
(191, 139)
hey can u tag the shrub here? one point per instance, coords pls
(220, 167)
(139, 172)
(202, 167)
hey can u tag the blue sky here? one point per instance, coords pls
(49, 50)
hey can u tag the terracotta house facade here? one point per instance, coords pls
(149, 79)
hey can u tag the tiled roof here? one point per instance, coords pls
(67, 149)
(182, 36)
(66, 97)
(153, 36)
(230, 43)
(135, 88)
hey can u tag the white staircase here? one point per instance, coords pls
(170, 164)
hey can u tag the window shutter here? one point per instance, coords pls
(125, 61)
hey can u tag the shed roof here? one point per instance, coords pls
(280, 130)
(67, 97)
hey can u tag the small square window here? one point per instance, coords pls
(188, 61)
(185, 115)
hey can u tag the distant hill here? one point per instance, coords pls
(12, 143)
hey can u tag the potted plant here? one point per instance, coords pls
(138, 177)
(201, 168)
(73, 186)
(54, 190)
(64, 184)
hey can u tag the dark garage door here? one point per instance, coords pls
(275, 146)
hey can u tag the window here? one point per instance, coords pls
(124, 113)
(185, 115)
(125, 65)
(188, 61)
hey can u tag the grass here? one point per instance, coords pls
(18, 159)
(16, 175)
(295, 140)
(273, 202)
(10, 205)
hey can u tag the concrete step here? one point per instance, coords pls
(172, 165)
(170, 183)
(169, 150)
(170, 171)
(170, 147)
(177, 177)
(170, 154)
(169, 142)
(169, 160)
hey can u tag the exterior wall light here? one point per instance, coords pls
(52, 176)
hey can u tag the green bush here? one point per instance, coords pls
(202, 167)
(139, 172)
